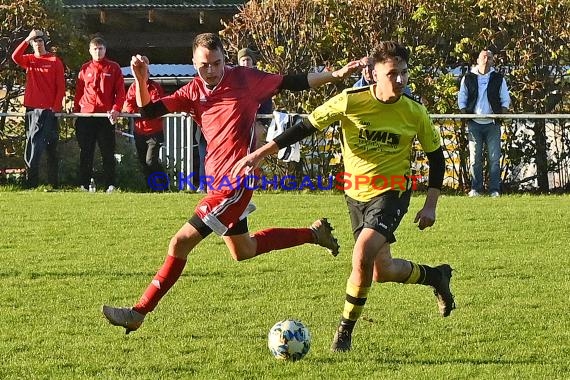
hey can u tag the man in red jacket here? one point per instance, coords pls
(45, 89)
(148, 133)
(100, 88)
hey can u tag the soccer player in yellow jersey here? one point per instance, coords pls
(379, 124)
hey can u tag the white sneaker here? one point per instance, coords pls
(125, 317)
(495, 194)
(110, 189)
(474, 193)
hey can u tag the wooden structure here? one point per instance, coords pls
(162, 30)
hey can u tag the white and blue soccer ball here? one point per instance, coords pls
(289, 340)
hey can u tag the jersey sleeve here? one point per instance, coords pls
(60, 85)
(79, 89)
(331, 111)
(181, 101)
(263, 85)
(428, 134)
(119, 89)
(18, 55)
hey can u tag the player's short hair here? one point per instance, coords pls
(389, 49)
(97, 40)
(210, 41)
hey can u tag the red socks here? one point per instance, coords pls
(280, 238)
(166, 276)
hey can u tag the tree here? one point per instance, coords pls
(530, 39)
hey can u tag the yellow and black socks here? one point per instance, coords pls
(353, 305)
(424, 275)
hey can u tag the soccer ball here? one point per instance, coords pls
(289, 340)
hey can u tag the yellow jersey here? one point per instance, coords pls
(376, 139)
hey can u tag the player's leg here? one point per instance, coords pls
(373, 225)
(388, 269)
(358, 285)
(225, 212)
(243, 245)
(187, 237)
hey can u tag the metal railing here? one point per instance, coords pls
(536, 149)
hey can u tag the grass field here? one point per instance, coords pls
(64, 254)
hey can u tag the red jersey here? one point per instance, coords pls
(226, 114)
(100, 87)
(45, 81)
(144, 126)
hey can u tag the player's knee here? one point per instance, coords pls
(179, 246)
(242, 253)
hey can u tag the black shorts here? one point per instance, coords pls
(238, 229)
(382, 213)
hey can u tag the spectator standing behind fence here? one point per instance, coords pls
(148, 133)
(43, 96)
(484, 91)
(100, 88)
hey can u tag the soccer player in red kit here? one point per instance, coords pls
(45, 90)
(224, 101)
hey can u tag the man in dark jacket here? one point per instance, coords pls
(484, 91)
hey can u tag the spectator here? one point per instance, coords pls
(149, 135)
(100, 88)
(43, 96)
(484, 91)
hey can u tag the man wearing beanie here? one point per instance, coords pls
(246, 57)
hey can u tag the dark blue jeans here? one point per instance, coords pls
(488, 135)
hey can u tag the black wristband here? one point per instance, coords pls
(300, 129)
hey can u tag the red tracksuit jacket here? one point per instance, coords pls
(45, 80)
(100, 87)
(149, 126)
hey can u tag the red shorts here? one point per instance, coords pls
(223, 209)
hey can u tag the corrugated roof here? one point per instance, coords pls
(165, 70)
(121, 4)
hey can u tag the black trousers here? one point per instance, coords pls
(91, 130)
(42, 135)
(148, 148)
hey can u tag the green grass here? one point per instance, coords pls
(64, 254)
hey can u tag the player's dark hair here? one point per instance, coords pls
(98, 41)
(389, 49)
(210, 41)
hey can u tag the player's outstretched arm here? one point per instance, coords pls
(300, 129)
(318, 79)
(247, 164)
